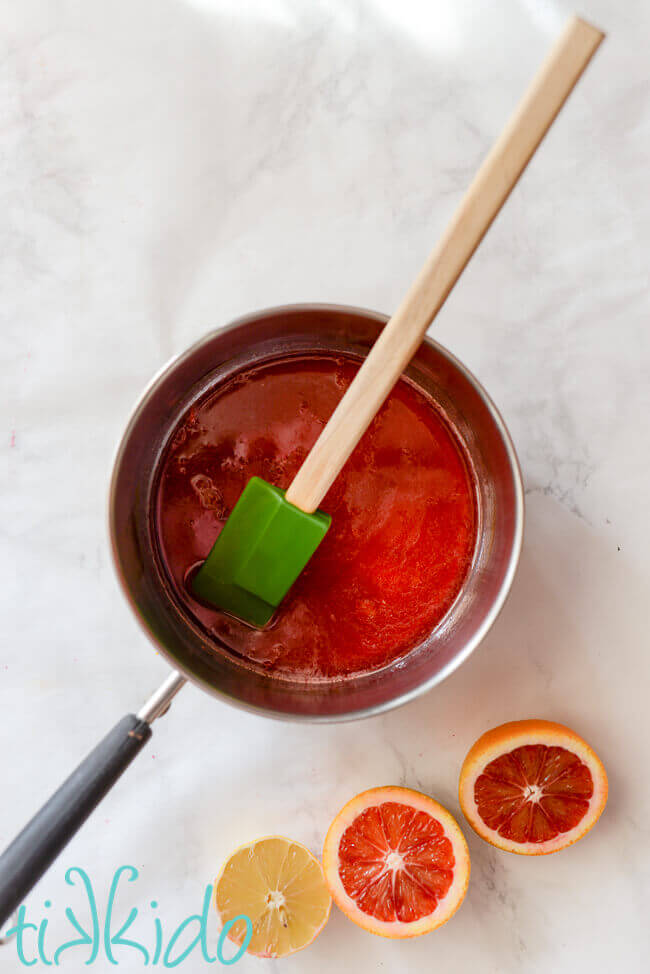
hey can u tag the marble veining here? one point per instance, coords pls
(166, 165)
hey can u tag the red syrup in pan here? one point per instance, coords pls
(403, 516)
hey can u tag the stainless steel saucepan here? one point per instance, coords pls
(260, 337)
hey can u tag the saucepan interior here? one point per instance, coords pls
(294, 330)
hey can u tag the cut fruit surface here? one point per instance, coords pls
(280, 886)
(532, 787)
(396, 862)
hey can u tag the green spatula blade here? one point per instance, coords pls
(262, 549)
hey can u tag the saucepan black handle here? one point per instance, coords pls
(23, 863)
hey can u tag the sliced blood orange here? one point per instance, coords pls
(396, 862)
(532, 787)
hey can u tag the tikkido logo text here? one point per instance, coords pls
(125, 934)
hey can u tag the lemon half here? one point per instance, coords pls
(280, 886)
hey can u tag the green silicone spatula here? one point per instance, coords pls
(271, 535)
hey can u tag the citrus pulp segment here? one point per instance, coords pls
(532, 787)
(279, 885)
(396, 862)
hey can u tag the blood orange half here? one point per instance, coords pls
(532, 787)
(396, 862)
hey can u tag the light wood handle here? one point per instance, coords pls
(486, 195)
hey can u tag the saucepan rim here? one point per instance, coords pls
(491, 614)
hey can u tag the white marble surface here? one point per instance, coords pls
(168, 164)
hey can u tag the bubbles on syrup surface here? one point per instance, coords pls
(341, 380)
(210, 496)
(189, 427)
(180, 437)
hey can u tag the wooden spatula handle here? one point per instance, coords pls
(486, 195)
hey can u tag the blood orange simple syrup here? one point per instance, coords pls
(403, 516)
